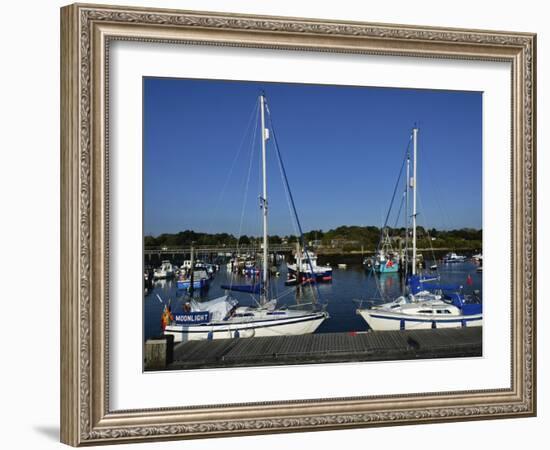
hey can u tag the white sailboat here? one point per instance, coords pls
(223, 318)
(421, 307)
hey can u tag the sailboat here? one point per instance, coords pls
(426, 305)
(223, 317)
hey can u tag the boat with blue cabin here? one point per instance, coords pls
(426, 306)
(200, 279)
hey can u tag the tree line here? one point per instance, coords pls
(344, 237)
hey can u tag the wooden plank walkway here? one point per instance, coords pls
(328, 347)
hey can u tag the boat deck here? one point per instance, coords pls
(328, 347)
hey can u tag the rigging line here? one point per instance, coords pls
(245, 192)
(395, 191)
(286, 191)
(397, 217)
(247, 185)
(425, 227)
(285, 293)
(281, 165)
(253, 112)
(293, 213)
(444, 215)
(235, 158)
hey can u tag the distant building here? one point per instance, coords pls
(314, 243)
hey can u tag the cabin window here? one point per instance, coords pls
(425, 311)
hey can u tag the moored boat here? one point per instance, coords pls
(166, 270)
(306, 269)
(412, 312)
(425, 305)
(200, 279)
(223, 318)
(452, 258)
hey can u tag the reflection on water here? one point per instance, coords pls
(350, 284)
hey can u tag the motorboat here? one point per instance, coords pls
(166, 270)
(307, 269)
(451, 258)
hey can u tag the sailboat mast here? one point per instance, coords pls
(265, 135)
(407, 186)
(415, 132)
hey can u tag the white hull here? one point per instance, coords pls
(291, 326)
(387, 321)
(317, 270)
(163, 275)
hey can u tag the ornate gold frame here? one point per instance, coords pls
(86, 31)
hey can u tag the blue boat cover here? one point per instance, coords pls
(417, 283)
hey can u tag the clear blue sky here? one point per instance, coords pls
(342, 148)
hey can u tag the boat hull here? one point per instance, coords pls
(385, 321)
(197, 284)
(384, 268)
(319, 275)
(306, 324)
(163, 275)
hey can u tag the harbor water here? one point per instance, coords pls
(341, 296)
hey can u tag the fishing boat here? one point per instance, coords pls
(223, 317)
(386, 259)
(166, 270)
(425, 305)
(307, 270)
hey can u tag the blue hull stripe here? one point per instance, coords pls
(427, 320)
(275, 324)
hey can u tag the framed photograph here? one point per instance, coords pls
(274, 224)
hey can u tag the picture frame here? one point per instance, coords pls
(87, 31)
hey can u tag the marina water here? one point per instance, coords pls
(341, 295)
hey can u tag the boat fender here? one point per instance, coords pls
(236, 335)
(210, 335)
(434, 325)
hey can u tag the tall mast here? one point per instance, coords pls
(407, 186)
(265, 137)
(415, 132)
